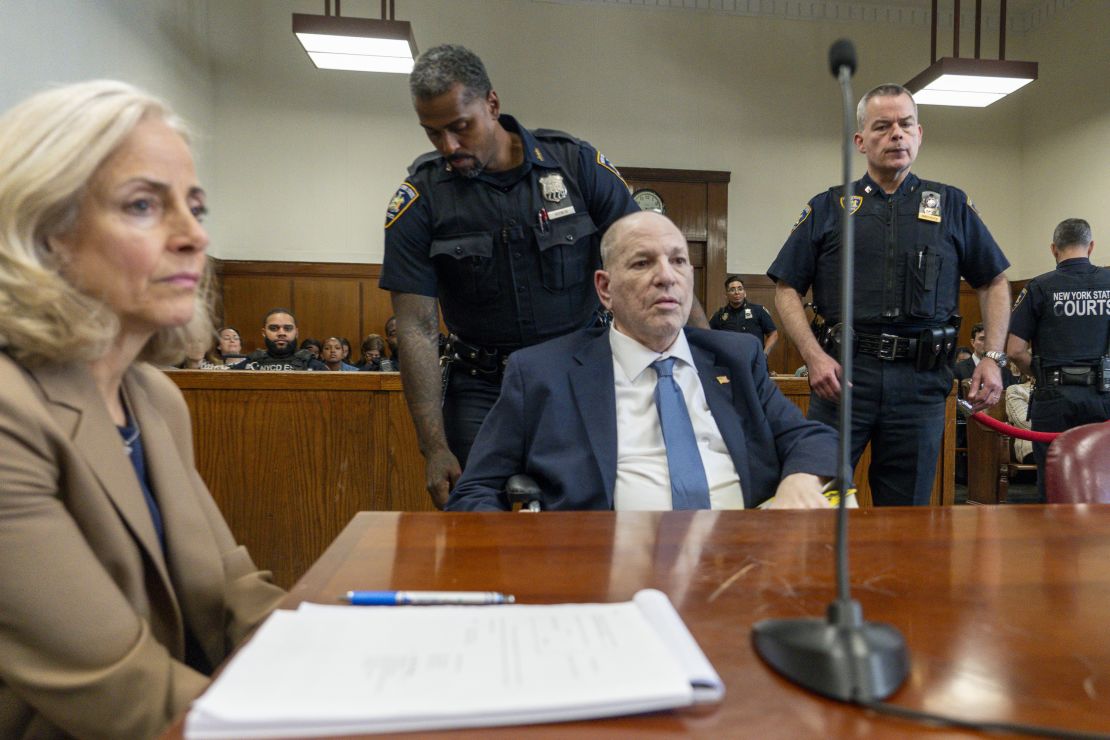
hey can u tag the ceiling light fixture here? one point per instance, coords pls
(970, 82)
(359, 44)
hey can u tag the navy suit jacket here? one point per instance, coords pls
(556, 420)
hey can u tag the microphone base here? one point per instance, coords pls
(841, 657)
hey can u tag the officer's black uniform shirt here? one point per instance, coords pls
(505, 277)
(907, 266)
(748, 318)
(1065, 314)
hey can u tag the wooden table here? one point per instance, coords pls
(1005, 609)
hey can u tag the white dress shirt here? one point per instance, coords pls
(643, 479)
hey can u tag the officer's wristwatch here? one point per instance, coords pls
(999, 357)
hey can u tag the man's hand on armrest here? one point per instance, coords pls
(799, 491)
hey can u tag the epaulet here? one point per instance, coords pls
(423, 160)
(550, 133)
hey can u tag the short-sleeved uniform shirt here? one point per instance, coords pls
(748, 318)
(912, 247)
(1065, 314)
(510, 255)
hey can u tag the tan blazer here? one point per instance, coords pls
(92, 611)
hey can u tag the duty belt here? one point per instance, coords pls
(886, 346)
(1071, 375)
(477, 360)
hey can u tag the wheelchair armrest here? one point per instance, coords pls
(522, 489)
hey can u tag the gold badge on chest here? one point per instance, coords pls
(929, 210)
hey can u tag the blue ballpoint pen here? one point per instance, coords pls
(427, 598)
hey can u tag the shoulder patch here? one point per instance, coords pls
(604, 162)
(405, 196)
(801, 218)
(857, 201)
(1021, 297)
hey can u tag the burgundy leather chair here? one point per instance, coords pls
(1077, 470)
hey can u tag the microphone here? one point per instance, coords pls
(842, 54)
(841, 656)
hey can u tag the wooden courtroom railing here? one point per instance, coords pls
(944, 485)
(291, 457)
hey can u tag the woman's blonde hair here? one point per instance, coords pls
(50, 146)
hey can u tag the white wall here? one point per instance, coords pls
(159, 45)
(1065, 137)
(301, 162)
(307, 159)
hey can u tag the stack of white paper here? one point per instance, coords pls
(332, 670)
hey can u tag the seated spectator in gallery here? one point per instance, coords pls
(1017, 413)
(391, 341)
(121, 586)
(315, 346)
(228, 349)
(373, 359)
(346, 344)
(196, 355)
(332, 357)
(279, 332)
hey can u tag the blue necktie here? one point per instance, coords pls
(689, 488)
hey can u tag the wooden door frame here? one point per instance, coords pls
(716, 240)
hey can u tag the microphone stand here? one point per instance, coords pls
(842, 656)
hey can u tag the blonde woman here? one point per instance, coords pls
(120, 584)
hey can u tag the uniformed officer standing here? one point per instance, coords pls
(502, 225)
(744, 316)
(1066, 315)
(914, 239)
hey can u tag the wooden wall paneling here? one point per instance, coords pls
(697, 201)
(329, 307)
(716, 260)
(376, 308)
(697, 260)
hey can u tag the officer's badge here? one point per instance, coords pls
(553, 188)
(724, 316)
(929, 210)
(405, 196)
(801, 217)
(747, 313)
(857, 201)
(604, 162)
(1021, 297)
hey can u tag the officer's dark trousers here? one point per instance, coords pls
(901, 412)
(1059, 408)
(465, 405)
